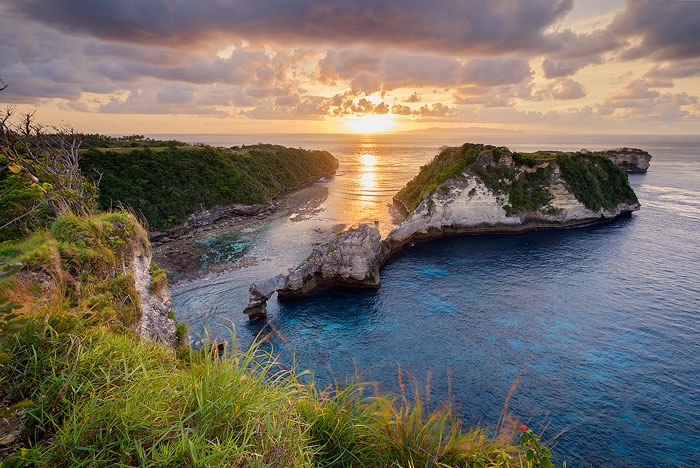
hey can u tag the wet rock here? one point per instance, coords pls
(260, 293)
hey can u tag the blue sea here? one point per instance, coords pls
(596, 328)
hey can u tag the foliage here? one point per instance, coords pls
(535, 454)
(168, 185)
(86, 259)
(526, 188)
(95, 140)
(41, 177)
(595, 180)
(159, 279)
(450, 163)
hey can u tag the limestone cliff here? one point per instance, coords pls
(629, 159)
(494, 190)
(153, 323)
(513, 194)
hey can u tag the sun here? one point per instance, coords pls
(369, 123)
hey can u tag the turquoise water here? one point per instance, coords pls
(599, 327)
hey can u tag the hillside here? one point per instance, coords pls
(166, 184)
(81, 386)
(89, 372)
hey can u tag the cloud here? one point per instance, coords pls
(372, 72)
(680, 69)
(436, 110)
(563, 89)
(633, 94)
(399, 109)
(415, 97)
(499, 96)
(571, 51)
(310, 59)
(669, 30)
(484, 26)
(174, 100)
(637, 101)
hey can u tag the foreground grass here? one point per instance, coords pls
(101, 398)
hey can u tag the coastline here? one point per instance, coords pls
(181, 255)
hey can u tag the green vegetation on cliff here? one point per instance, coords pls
(595, 180)
(80, 263)
(523, 177)
(526, 189)
(167, 184)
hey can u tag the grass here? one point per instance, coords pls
(101, 398)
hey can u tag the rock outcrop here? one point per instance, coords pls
(154, 323)
(352, 259)
(629, 159)
(207, 217)
(466, 205)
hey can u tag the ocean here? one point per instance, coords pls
(597, 329)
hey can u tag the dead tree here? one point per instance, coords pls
(49, 159)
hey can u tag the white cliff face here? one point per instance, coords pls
(154, 323)
(469, 206)
(630, 159)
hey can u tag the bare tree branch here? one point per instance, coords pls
(3, 85)
(49, 159)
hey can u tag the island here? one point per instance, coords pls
(470, 189)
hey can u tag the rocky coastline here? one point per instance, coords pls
(469, 202)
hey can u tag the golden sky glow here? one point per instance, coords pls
(119, 67)
(370, 123)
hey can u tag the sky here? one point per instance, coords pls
(276, 66)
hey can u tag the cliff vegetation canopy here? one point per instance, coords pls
(166, 184)
(523, 177)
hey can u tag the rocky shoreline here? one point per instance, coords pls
(179, 249)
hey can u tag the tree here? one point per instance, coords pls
(41, 178)
(3, 85)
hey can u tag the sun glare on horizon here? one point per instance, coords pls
(369, 123)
